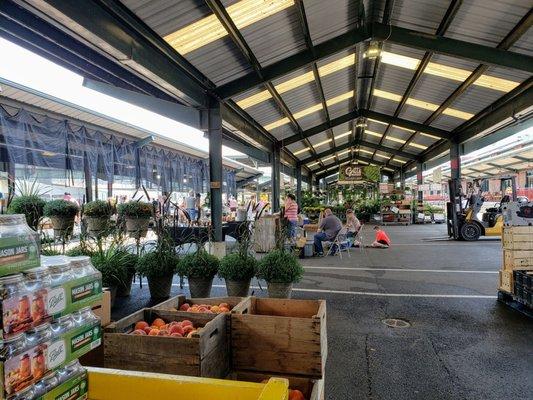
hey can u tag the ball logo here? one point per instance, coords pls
(57, 354)
(57, 300)
(352, 172)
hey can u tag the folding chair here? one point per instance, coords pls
(340, 239)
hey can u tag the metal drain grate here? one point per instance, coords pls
(396, 323)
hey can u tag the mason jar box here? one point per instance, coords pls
(19, 245)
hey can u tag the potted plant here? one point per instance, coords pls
(97, 214)
(111, 262)
(200, 268)
(237, 270)
(61, 214)
(130, 261)
(32, 206)
(137, 215)
(158, 267)
(280, 269)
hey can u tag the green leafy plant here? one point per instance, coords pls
(280, 267)
(157, 264)
(112, 262)
(200, 265)
(135, 209)
(49, 251)
(235, 267)
(79, 251)
(31, 206)
(61, 208)
(98, 209)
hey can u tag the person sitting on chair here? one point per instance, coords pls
(382, 239)
(352, 225)
(327, 230)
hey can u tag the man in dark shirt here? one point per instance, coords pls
(327, 230)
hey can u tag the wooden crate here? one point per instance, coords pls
(312, 389)
(517, 259)
(506, 281)
(517, 238)
(205, 354)
(280, 336)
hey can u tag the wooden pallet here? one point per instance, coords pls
(517, 238)
(205, 354)
(508, 299)
(280, 336)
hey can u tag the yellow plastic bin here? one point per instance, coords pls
(112, 384)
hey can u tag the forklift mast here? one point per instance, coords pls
(454, 208)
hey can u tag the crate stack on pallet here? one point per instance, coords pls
(516, 276)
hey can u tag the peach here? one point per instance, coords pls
(176, 329)
(224, 309)
(139, 332)
(187, 329)
(296, 395)
(163, 332)
(147, 329)
(186, 322)
(141, 325)
(185, 307)
(224, 305)
(154, 332)
(191, 333)
(176, 334)
(158, 322)
(215, 309)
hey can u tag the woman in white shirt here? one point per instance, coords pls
(352, 223)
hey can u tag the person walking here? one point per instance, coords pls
(327, 230)
(291, 215)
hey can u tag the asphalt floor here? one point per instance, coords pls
(461, 343)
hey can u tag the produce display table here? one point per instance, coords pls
(107, 384)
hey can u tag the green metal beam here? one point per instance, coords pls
(349, 144)
(289, 64)
(452, 47)
(441, 133)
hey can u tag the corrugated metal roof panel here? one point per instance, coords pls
(383, 105)
(276, 37)
(265, 112)
(420, 15)
(446, 122)
(301, 98)
(510, 74)
(328, 19)
(525, 44)
(339, 109)
(415, 114)
(487, 22)
(319, 138)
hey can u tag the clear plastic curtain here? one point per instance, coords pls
(76, 148)
(104, 148)
(124, 156)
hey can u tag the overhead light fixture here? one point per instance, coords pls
(372, 52)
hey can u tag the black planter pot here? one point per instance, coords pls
(160, 286)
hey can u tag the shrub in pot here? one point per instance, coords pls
(61, 214)
(97, 214)
(32, 206)
(158, 267)
(130, 264)
(238, 270)
(199, 268)
(280, 269)
(111, 262)
(137, 216)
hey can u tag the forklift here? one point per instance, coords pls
(464, 219)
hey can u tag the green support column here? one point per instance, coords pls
(455, 161)
(215, 170)
(299, 186)
(276, 178)
(419, 181)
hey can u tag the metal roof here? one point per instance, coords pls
(281, 61)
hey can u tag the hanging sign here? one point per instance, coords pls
(437, 175)
(354, 173)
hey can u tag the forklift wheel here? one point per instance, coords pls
(470, 231)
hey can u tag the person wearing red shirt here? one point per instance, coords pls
(382, 239)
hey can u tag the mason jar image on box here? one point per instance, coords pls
(19, 245)
(16, 303)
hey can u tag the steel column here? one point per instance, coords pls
(419, 181)
(455, 160)
(299, 186)
(215, 169)
(276, 178)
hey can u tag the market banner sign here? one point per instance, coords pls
(354, 173)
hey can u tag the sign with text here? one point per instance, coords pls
(354, 173)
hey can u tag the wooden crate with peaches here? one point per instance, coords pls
(169, 342)
(300, 387)
(279, 336)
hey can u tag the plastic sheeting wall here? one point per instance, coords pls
(31, 139)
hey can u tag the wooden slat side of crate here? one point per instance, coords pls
(205, 354)
(517, 238)
(280, 336)
(517, 259)
(312, 389)
(506, 281)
